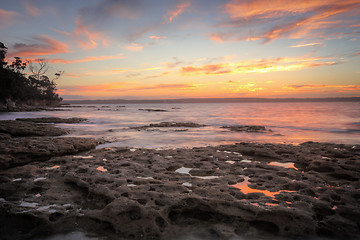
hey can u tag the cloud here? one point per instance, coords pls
(157, 37)
(122, 86)
(96, 88)
(165, 86)
(87, 38)
(127, 9)
(7, 18)
(306, 45)
(31, 9)
(314, 86)
(180, 8)
(88, 59)
(61, 32)
(42, 45)
(135, 47)
(71, 75)
(172, 64)
(259, 66)
(304, 19)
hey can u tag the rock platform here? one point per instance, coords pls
(240, 191)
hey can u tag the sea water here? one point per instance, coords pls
(291, 123)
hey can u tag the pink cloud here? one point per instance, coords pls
(61, 32)
(135, 47)
(305, 19)
(157, 37)
(305, 45)
(43, 45)
(259, 66)
(180, 8)
(88, 59)
(31, 9)
(86, 38)
(7, 18)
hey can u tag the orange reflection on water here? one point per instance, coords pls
(243, 186)
(102, 169)
(284, 165)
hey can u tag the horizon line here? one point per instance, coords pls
(215, 100)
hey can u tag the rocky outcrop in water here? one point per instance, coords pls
(153, 110)
(27, 140)
(53, 120)
(245, 190)
(27, 128)
(169, 125)
(246, 128)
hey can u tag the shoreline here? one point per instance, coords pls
(243, 190)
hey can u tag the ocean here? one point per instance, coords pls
(286, 122)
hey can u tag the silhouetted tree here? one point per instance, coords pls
(16, 86)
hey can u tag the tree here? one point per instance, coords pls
(2, 55)
(16, 86)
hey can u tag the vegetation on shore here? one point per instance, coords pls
(34, 88)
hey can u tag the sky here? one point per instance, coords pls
(155, 49)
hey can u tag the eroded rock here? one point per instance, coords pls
(141, 195)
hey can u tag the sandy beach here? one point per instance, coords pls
(55, 185)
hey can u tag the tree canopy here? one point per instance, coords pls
(18, 87)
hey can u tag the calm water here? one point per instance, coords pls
(290, 123)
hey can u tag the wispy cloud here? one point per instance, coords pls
(88, 59)
(180, 8)
(165, 86)
(123, 86)
(31, 9)
(157, 37)
(41, 45)
(61, 32)
(305, 19)
(259, 65)
(305, 45)
(87, 38)
(135, 47)
(314, 86)
(7, 18)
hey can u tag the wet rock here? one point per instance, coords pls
(53, 120)
(170, 125)
(22, 128)
(246, 128)
(153, 110)
(141, 196)
(20, 151)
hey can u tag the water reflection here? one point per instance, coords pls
(284, 165)
(243, 186)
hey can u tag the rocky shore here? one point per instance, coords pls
(240, 191)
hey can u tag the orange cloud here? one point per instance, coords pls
(122, 86)
(157, 37)
(259, 66)
(31, 9)
(88, 59)
(86, 38)
(61, 32)
(165, 86)
(7, 18)
(304, 18)
(44, 45)
(99, 87)
(71, 75)
(135, 47)
(312, 86)
(305, 45)
(174, 13)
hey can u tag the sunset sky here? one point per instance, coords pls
(150, 49)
